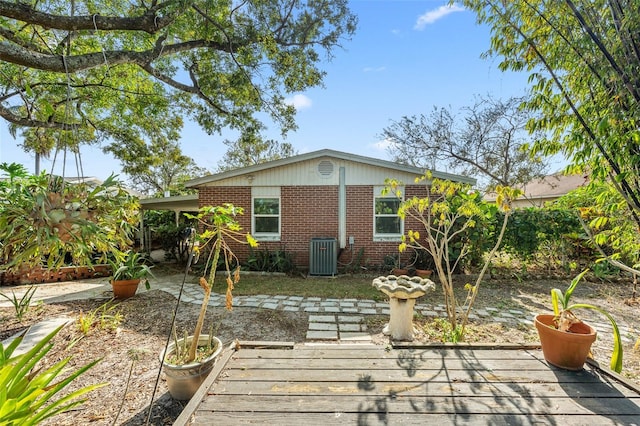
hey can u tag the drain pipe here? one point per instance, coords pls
(342, 209)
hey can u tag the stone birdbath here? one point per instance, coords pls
(403, 292)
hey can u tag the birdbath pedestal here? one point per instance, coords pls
(403, 292)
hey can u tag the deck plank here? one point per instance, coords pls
(371, 385)
(391, 404)
(415, 388)
(334, 419)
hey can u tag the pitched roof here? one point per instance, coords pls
(374, 162)
(553, 186)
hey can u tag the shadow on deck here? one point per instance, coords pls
(367, 385)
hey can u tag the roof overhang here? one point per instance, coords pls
(180, 203)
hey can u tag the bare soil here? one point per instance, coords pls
(129, 351)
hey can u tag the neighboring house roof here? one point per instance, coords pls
(554, 186)
(546, 189)
(374, 162)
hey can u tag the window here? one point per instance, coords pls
(386, 222)
(266, 218)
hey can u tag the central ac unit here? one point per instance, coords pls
(323, 256)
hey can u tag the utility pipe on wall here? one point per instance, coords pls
(342, 209)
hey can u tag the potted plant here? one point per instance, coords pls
(566, 340)
(127, 274)
(188, 360)
(424, 263)
(396, 267)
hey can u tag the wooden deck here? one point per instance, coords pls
(370, 385)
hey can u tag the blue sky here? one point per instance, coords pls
(406, 57)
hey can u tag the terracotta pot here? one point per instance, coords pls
(567, 350)
(424, 273)
(399, 271)
(183, 381)
(125, 288)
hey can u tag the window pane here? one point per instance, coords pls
(387, 205)
(267, 224)
(266, 206)
(388, 225)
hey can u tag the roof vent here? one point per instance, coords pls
(325, 168)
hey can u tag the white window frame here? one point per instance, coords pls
(377, 195)
(261, 193)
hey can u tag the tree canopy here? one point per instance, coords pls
(250, 148)
(583, 58)
(488, 139)
(96, 70)
(156, 167)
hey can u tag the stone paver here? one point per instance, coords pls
(349, 328)
(322, 318)
(322, 335)
(323, 326)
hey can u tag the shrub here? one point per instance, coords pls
(266, 260)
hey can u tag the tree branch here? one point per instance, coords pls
(8, 115)
(150, 22)
(76, 63)
(605, 256)
(615, 167)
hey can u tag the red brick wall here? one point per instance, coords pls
(312, 211)
(360, 225)
(307, 212)
(239, 196)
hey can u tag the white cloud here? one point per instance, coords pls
(374, 69)
(299, 101)
(383, 145)
(433, 15)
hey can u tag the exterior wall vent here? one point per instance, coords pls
(323, 258)
(325, 168)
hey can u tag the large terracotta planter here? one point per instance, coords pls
(123, 289)
(183, 381)
(567, 350)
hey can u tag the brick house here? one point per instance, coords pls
(322, 206)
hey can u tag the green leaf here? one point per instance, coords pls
(572, 286)
(556, 298)
(616, 356)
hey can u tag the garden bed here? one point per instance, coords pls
(43, 275)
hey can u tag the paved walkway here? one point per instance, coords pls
(329, 319)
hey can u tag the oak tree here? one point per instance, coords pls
(104, 70)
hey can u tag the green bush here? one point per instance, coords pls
(46, 221)
(266, 260)
(606, 214)
(529, 229)
(172, 241)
